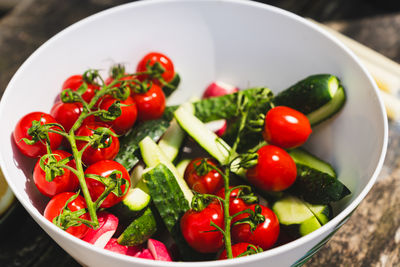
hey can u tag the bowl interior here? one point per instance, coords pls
(242, 43)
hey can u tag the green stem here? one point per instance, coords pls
(227, 217)
(81, 177)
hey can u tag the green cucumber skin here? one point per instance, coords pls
(140, 230)
(171, 204)
(308, 94)
(131, 206)
(129, 152)
(302, 156)
(317, 187)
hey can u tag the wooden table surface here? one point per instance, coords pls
(372, 235)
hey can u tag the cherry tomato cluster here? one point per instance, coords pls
(77, 142)
(284, 128)
(253, 227)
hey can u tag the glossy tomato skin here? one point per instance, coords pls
(266, 233)
(286, 127)
(236, 204)
(56, 204)
(196, 224)
(152, 58)
(128, 114)
(75, 81)
(151, 104)
(95, 154)
(66, 113)
(275, 170)
(105, 168)
(208, 183)
(67, 182)
(21, 131)
(237, 249)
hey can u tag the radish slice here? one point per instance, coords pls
(146, 254)
(219, 88)
(113, 245)
(158, 250)
(108, 224)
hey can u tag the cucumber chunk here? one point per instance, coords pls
(292, 211)
(140, 230)
(153, 155)
(317, 187)
(171, 204)
(305, 158)
(318, 96)
(308, 226)
(207, 139)
(129, 152)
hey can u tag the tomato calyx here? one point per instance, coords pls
(52, 167)
(68, 218)
(117, 71)
(91, 76)
(113, 112)
(201, 201)
(40, 132)
(254, 219)
(101, 138)
(250, 250)
(112, 183)
(256, 124)
(246, 194)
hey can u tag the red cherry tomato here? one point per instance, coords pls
(67, 182)
(195, 227)
(39, 148)
(206, 183)
(236, 204)
(75, 81)
(66, 113)
(93, 154)
(152, 58)
(286, 127)
(150, 104)
(105, 168)
(275, 170)
(266, 233)
(57, 203)
(128, 114)
(238, 249)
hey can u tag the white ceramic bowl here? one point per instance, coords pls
(240, 42)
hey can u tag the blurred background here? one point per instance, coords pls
(26, 24)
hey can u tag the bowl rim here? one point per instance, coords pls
(271, 252)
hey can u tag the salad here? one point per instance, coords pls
(127, 173)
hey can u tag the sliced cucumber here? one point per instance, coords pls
(133, 203)
(317, 187)
(153, 155)
(308, 226)
(170, 143)
(292, 211)
(170, 202)
(213, 144)
(140, 230)
(318, 96)
(181, 166)
(129, 152)
(305, 158)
